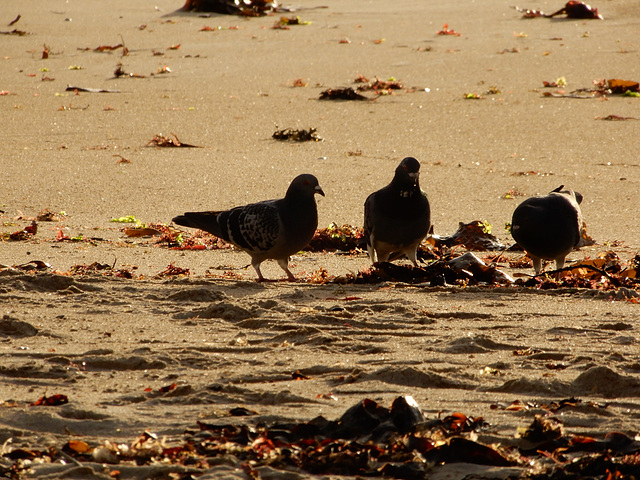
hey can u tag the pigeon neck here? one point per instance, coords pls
(405, 189)
(404, 193)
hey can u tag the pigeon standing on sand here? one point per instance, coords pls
(548, 227)
(397, 217)
(270, 229)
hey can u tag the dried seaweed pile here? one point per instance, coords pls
(368, 440)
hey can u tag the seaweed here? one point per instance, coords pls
(297, 135)
(347, 93)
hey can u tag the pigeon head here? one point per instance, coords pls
(407, 173)
(305, 185)
(578, 196)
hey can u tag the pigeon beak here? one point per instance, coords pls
(414, 176)
(318, 189)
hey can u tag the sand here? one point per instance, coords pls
(109, 344)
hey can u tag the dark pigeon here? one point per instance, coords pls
(548, 227)
(397, 217)
(270, 229)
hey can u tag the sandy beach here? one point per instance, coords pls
(158, 354)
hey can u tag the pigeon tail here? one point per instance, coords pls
(206, 221)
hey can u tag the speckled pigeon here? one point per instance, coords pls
(548, 227)
(270, 229)
(397, 217)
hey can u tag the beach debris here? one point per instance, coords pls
(466, 269)
(24, 234)
(125, 219)
(14, 21)
(481, 271)
(160, 140)
(472, 96)
(572, 9)
(172, 271)
(241, 412)
(345, 238)
(84, 269)
(475, 235)
(141, 232)
(119, 72)
(61, 237)
(72, 88)
(165, 389)
(298, 375)
(601, 87)
(512, 194)
(297, 135)
(47, 215)
(616, 85)
(606, 272)
(15, 31)
(108, 48)
(616, 118)
(285, 22)
(247, 8)
(509, 50)
(78, 446)
(368, 440)
(33, 265)
(52, 401)
(560, 82)
(379, 87)
(447, 31)
(346, 93)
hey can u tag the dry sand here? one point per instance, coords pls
(103, 341)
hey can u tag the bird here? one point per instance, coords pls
(548, 227)
(270, 229)
(397, 217)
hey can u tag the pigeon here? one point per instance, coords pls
(548, 227)
(272, 229)
(397, 217)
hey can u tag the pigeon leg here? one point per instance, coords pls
(413, 256)
(537, 264)
(372, 253)
(256, 267)
(559, 263)
(382, 255)
(284, 264)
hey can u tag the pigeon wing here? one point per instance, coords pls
(254, 228)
